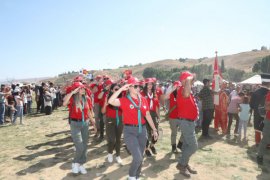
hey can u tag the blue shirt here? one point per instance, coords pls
(244, 113)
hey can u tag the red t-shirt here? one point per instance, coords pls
(159, 92)
(186, 107)
(155, 101)
(76, 113)
(130, 113)
(111, 112)
(173, 104)
(267, 99)
(96, 100)
(102, 100)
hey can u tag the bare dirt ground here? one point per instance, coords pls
(42, 149)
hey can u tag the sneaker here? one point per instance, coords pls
(82, 169)
(118, 160)
(110, 158)
(148, 153)
(131, 178)
(75, 168)
(153, 149)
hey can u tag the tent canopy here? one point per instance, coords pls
(256, 79)
(198, 83)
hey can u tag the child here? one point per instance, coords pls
(244, 117)
(12, 110)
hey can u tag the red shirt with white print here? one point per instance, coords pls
(130, 113)
(76, 113)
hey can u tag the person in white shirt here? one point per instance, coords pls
(19, 105)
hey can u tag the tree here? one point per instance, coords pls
(263, 48)
(265, 64)
(256, 67)
(262, 66)
(235, 74)
(149, 72)
(222, 66)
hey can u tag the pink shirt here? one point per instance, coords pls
(234, 104)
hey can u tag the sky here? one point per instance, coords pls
(45, 38)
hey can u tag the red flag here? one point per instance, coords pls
(217, 72)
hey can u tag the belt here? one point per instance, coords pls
(133, 125)
(77, 120)
(184, 119)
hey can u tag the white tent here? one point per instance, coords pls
(256, 79)
(198, 83)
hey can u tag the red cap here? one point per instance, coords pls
(154, 79)
(184, 75)
(177, 83)
(78, 79)
(133, 80)
(149, 80)
(108, 82)
(76, 85)
(142, 82)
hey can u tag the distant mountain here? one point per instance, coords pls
(242, 61)
(25, 81)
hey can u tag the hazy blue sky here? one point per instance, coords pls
(46, 37)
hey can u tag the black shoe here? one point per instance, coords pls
(153, 149)
(191, 171)
(183, 170)
(260, 160)
(179, 145)
(148, 153)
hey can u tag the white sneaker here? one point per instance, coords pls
(82, 169)
(110, 158)
(131, 178)
(118, 160)
(75, 168)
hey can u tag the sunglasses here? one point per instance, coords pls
(135, 86)
(116, 89)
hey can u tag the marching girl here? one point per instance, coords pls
(135, 111)
(80, 113)
(149, 92)
(114, 125)
(173, 115)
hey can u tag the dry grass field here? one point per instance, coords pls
(42, 149)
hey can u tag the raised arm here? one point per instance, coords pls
(113, 99)
(68, 96)
(187, 87)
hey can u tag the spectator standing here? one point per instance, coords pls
(206, 96)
